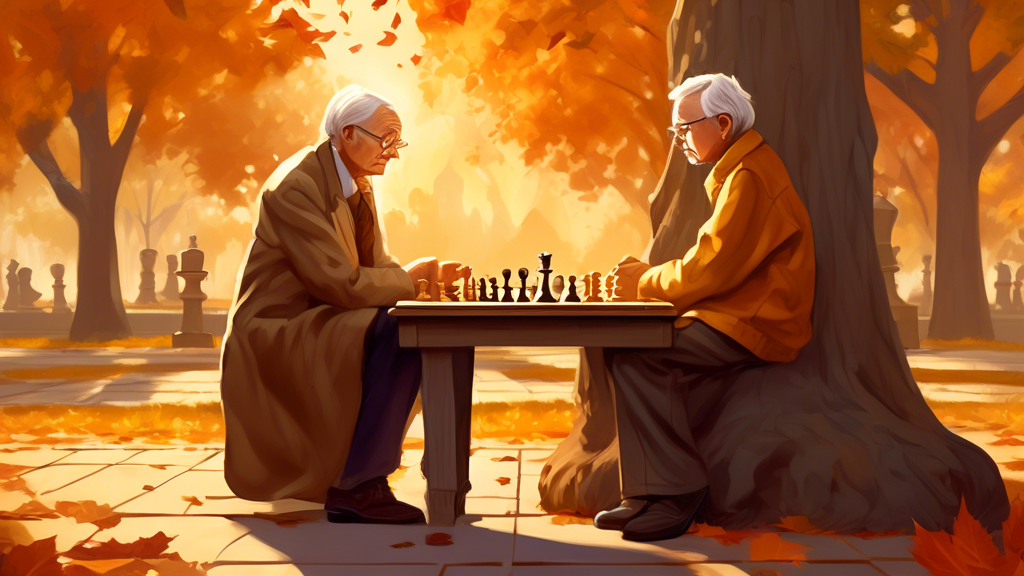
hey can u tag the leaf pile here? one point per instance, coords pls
(143, 556)
(970, 550)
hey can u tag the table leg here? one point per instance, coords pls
(447, 401)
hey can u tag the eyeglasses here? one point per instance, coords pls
(680, 130)
(389, 139)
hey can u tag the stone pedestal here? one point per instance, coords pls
(904, 314)
(192, 297)
(13, 301)
(60, 304)
(147, 287)
(170, 291)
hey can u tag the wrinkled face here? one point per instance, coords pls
(365, 150)
(701, 141)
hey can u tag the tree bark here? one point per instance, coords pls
(842, 435)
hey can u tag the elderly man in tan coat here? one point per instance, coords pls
(316, 391)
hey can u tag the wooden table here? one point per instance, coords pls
(439, 329)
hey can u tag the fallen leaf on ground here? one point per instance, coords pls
(11, 450)
(571, 520)
(284, 520)
(1013, 528)
(192, 500)
(503, 480)
(439, 539)
(969, 550)
(8, 471)
(143, 548)
(771, 547)
(147, 487)
(31, 510)
(800, 525)
(505, 459)
(403, 545)
(158, 466)
(221, 497)
(36, 559)
(190, 448)
(89, 511)
(723, 536)
(516, 441)
(15, 485)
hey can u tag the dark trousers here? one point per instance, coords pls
(391, 381)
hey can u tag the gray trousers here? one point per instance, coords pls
(657, 454)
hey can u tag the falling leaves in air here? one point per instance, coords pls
(970, 549)
(344, 15)
(355, 48)
(305, 3)
(556, 38)
(306, 32)
(89, 511)
(503, 480)
(36, 559)
(403, 545)
(772, 548)
(377, 4)
(396, 22)
(192, 500)
(416, 59)
(389, 38)
(439, 539)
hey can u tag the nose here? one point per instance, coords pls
(391, 152)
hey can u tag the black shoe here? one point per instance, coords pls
(617, 518)
(370, 503)
(668, 517)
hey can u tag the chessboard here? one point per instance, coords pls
(532, 309)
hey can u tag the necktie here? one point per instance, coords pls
(360, 205)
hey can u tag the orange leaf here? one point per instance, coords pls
(1013, 528)
(158, 466)
(377, 4)
(416, 59)
(403, 545)
(1011, 441)
(571, 519)
(1016, 465)
(396, 21)
(355, 48)
(147, 487)
(31, 510)
(389, 38)
(969, 550)
(505, 459)
(800, 525)
(192, 500)
(190, 448)
(771, 547)
(345, 16)
(457, 11)
(304, 30)
(503, 480)
(285, 520)
(143, 548)
(723, 536)
(36, 559)
(556, 38)
(89, 511)
(439, 539)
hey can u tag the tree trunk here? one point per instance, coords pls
(842, 435)
(99, 313)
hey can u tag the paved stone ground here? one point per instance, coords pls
(504, 531)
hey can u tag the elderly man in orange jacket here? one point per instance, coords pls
(744, 293)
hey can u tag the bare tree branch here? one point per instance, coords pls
(123, 145)
(912, 90)
(68, 196)
(973, 13)
(994, 126)
(984, 75)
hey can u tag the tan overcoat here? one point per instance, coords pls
(292, 359)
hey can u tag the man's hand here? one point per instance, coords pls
(422, 269)
(628, 273)
(449, 272)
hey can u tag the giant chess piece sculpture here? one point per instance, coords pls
(544, 293)
(147, 285)
(1018, 305)
(904, 314)
(29, 295)
(60, 304)
(1004, 281)
(926, 287)
(192, 335)
(13, 301)
(170, 291)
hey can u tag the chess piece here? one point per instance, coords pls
(1018, 306)
(523, 289)
(905, 315)
(466, 274)
(469, 290)
(170, 291)
(506, 294)
(192, 297)
(444, 293)
(609, 287)
(544, 294)
(13, 284)
(571, 295)
(1003, 284)
(494, 289)
(926, 287)
(29, 295)
(60, 304)
(482, 295)
(557, 287)
(533, 290)
(586, 287)
(422, 295)
(594, 294)
(147, 284)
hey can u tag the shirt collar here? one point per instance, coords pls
(744, 145)
(348, 185)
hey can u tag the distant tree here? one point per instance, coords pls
(108, 64)
(942, 58)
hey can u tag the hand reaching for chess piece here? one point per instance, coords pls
(422, 269)
(627, 277)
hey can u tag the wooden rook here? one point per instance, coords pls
(524, 295)
(60, 303)
(571, 295)
(192, 297)
(147, 283)
(594, 294)
(170, 291)
(422, 295)
(544, 294)
(29, 295)
(13, 301)
(506, 290)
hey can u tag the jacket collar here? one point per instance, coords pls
(744, 145)
(325, 156)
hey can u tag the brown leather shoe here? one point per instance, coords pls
(668, 517)
(370, 503)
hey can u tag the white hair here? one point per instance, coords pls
(719, 94)
(351, 105)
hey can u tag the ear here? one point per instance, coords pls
(725, 125)
(348, 133)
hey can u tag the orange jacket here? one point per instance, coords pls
(751, 273)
